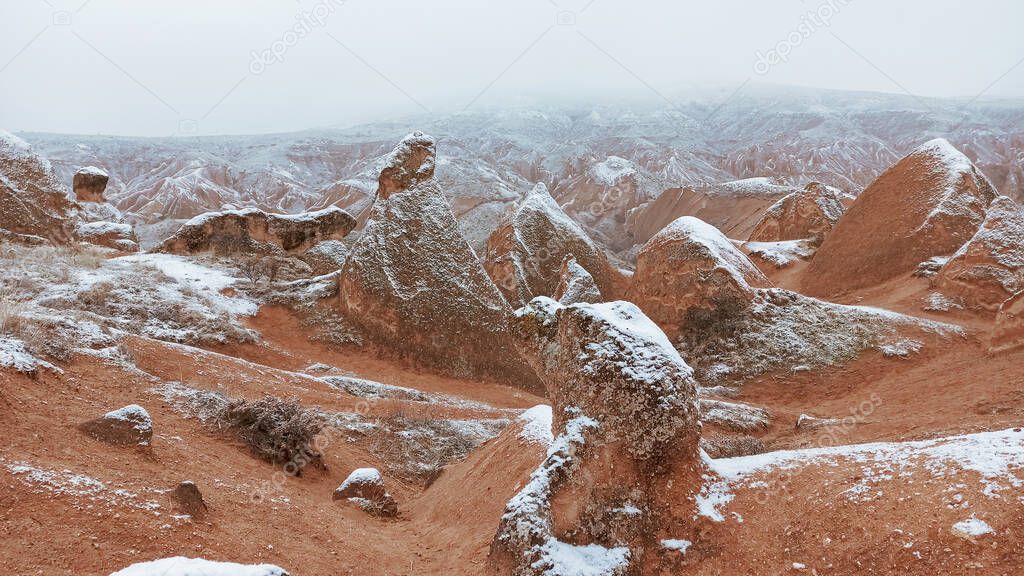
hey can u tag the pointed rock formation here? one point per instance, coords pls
(989, 268)
(413, 284)
(253, 230)
(33, 202)
(575, 284)
(808, 214)
(691, 265)
(927, 204)
(525, 252)
(625, 453)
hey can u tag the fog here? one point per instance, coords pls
(231, 66)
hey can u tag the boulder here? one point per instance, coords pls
(413, 285)
(808, 214)
(927, 204)
(253, 230)
(117, 235)
(89, 183)
(691, 265)
(326, 257)
(130, 425)
(525, 252)
(988, 268)
(1008, 332)
(365, 487)
(33, 202)
(625, 454)
(575, 284)
(188, 499)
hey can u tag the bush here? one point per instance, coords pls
(279, 431)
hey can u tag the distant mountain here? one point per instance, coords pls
(488, 160)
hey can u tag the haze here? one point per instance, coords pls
(230, 66)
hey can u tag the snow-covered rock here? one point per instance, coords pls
(620, 393)
(810, 213)
(89, 183)
(365, 487)
(575, 284)
(181, 566)
(33, 202)
(988, 268)
(524, 254)
(413, 285)
(117, 235)
(253, 230)
(130, 425)
(927, 204)
(691, 265)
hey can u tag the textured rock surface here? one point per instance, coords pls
(414, 285)
(927, 204)
(130, 425)
(115, 235)
(33, 202)
(525, 253)
(989, 268)
(809, 213)
(575, 284)
(189, 500)
(1008, 332)
(690, 264)
(253, 230)
(620, 394)
(89, 183)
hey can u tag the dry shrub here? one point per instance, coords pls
(11, 319)
(418, 449)
(279, 431)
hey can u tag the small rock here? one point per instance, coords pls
(365, 487)
(189, 500)
(124, 426)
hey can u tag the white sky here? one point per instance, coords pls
(186, 66)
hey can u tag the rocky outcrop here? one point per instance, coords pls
(625, 453)
(525, 252)
(575, 284)
(413, 285)
(89, 183)
(253, 230)
(691, 265)
(808, 214)
(126, 426)
(1008, 332)
(365, 488)
(927, 204)
(116, 235)
(33, 202)
(989, 268)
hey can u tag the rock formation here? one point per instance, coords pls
(625, 454)
(413, 284)
(808, 214)
(691, 265)
(575, 284)
(130, 425)
(188, 499)
(253, 230)
(1008, 332)
(89, 184)
(989, 268)
(33, 203)
(927, 204)
(525, 252)
(365, 487)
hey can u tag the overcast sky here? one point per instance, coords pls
(240, 66)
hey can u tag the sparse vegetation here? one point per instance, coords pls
(279, 431)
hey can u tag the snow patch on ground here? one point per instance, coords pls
(13, 354)
(537, 425)
(74, 485)
(782, 253)
(181, 566)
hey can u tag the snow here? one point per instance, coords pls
(680, 546)
(972, 527)
(782, 253)
(537, 425)
(612, 170)
(716, 246)
(203, 279)
(996, 456)
(561, 559)
(13, 354)
(132, 413)
(181, 566)
(76, 485)
(363, 476)
(93, 171)
(91, 229)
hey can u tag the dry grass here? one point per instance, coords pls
(279, 431)
(11, 319)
